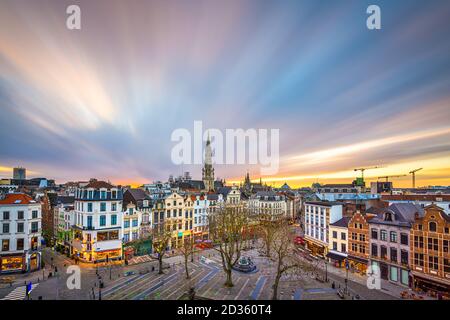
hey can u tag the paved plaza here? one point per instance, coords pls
(142, 281)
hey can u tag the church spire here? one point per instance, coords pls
(208, 170)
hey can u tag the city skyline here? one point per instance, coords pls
(102, 101)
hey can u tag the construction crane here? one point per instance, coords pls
(387, 177)
(364, 169)
(413, 172)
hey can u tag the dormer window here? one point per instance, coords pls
(432, 226)
(388, 216)
(90, 194)
(103, 194)
(114, 194)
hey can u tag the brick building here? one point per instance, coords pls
(430, 257)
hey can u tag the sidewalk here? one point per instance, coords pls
(386, 286)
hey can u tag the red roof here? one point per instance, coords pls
(99, 185)
(17, 198)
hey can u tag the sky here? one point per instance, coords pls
(103, 101)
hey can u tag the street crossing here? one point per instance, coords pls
(19, 293)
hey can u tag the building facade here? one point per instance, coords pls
(358, 241)
(97, 230)
(20, 233)
(318, 217)
(338, 242)
(429, 245)
(389, 241)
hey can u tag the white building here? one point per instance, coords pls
(268, 201)
(97, 229)
(338, 241)
(200, 216)
(20, 233)
(318, 217)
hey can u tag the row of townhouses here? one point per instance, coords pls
(407, 242)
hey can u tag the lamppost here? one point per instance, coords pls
(346, 275)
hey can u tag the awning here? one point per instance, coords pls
(335, 256)
(358, 259)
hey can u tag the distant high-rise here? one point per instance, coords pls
(19, 173)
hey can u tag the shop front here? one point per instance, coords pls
(12, 263)
(35, 259)
(107, 255)
(337, 258)
(358, 264)
(315, 248)
(431, 285)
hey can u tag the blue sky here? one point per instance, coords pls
(104, 100)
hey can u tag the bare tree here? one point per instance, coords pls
(187, 250)
(284, 254)
(267, 228)
(161, 238)
(227, 227)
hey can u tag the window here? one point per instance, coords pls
(362, 249)
(343, 247)
(418, 242)
(102, 194)
(20, 227)
(19, 244)
(34, 227)
(419, 227)
(34, 214)
(6, 228)
(354, 247)
(394, 273)
(334, 245)
(126, 224)
(89, 208)
(418, 259)
(102, 220)
(5, 215)
(447, 265)
(393, 254)
(362, 237)
(134, 235)
(89, 221)
(383, 235)
(432, 226)
(354, 236)
(374, 234)
(404, 239)
(102, 206)
(334, 234)
(113, 219)
(113, 206)
(114, 194)
(383, 251)
(126, 237)
(135, 222)
(433, 262)
(446, 230)
(343, 236)
(20, 215)
(433, 244)
(445, 246)
(5, 245)
(404, 257)
(374, 250)
(393, 236)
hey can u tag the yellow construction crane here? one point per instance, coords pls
(364, 169)
(387, 177)
(413, 172)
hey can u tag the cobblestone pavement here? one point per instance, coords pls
(207, 277)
